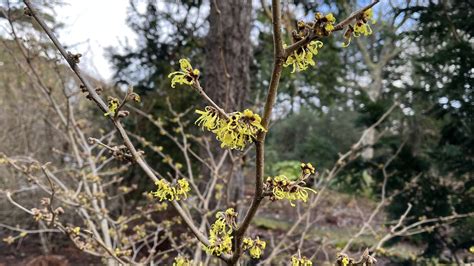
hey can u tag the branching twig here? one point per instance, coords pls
(341, 25)
(102, 105)
(381, 202)
(51, 196)
(201, 91)
(338, 166)
(259, 143)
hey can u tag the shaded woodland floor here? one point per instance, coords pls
(28, 253)
(339, 217)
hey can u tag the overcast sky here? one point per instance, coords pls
(92, 26)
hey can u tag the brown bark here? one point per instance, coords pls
(227, 72)
(228, 51)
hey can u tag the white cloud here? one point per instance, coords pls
(90, 27)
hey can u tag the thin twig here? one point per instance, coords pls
(101, 104)
(278, 52)
(51, 196)
(201, 91)
(340, 26)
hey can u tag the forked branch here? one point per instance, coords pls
(72, 61)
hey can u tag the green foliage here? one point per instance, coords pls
(309, 136)
(444, 68)
(291, 169)
(439, 135)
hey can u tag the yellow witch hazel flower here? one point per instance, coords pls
(113, 104)
(307, 168)
(302, 58)
(220, 235)
(166, 191)
(361, 27)
(345, 261)
(329, 26)
(209, 118)
(236, 132)
(76, 230)
(327, 22)
(188, 75)
(300, 261)
(255, 247)
(182, 261)
(182, 188)
(281, 187)
(240, 130)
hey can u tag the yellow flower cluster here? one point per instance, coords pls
(11, 239)
(166, 191)
(140, 230)
(361, 27)
(76, 230)
(220, 239)
(302, 58)
(182, 261)
(326, 21)
(188, 75)
(234, 133)
(345, 261)
(121, 253)
(282, 187)
(113, 104)
(220, 235)
(37, 214)
(209, 118)
(255, 247)
(308, 169)
(300, 261)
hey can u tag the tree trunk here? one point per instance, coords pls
(374, 91)
(228, 51)
(227, 76)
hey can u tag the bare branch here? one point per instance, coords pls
(101, 104)
(340, 26)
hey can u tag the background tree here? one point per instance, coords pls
(227, 61)
(440, 131)
(411, 187)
